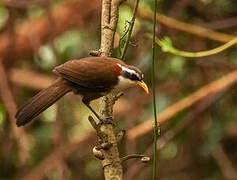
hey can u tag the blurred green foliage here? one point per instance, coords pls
(189, 155)
(4, 16)
(68, 44)
(3, 114)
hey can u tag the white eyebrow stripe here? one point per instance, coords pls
(128, 70)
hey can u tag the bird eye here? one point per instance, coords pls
(134, 77)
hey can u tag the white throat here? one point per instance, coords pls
(124, 83)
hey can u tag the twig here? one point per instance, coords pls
(10, 104)
(130, 28)
(143, 158)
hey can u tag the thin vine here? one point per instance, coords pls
(128, 33)
(156, 124)
(167, 46)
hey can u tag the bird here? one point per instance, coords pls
(90, 77)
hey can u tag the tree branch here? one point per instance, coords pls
(111, 161)
(10, 104)
(143, 158)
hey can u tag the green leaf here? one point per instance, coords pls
(166, 44)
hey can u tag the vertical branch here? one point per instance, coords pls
(111, 161)
(107, 33)
(9, 102)
(156, 125)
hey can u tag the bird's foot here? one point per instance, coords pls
(108, 120)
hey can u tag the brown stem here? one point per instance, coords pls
(10, 104)
(111, 163)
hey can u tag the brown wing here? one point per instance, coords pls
(90, 72)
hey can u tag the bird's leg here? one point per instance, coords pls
(109, 120)
(92, 110)
(106, 121)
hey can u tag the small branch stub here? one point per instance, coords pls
(95, 53)
(98, 153)
(143, 158)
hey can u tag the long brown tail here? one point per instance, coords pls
(41, 102)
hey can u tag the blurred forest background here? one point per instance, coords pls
(196, 97)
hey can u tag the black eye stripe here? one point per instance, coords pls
(134, 77)
(131, 76)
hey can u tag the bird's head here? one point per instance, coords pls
(130, 75)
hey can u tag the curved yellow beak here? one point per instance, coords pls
(143, 85)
